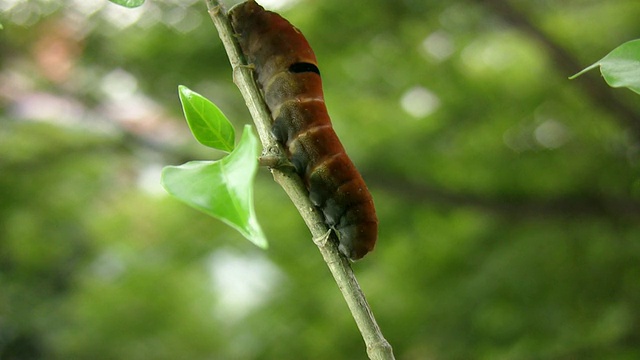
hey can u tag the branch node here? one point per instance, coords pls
(322, 240)
(215, 9)
(275, 161)
(246, 66)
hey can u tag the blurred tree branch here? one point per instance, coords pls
(587, 204)
(584, 204)
(591, 83)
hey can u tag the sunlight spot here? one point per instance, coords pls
(119, 85)
(23, 13)
(419, 102)
(183, 19)
(551, 134)
(438, 44)
(122, 17)
(7, 5)
(277, 5)
(184, 3)
(87, 8)
(486, 55)
(152, 15)
(242, 282)
(39, 106)
(149, 180)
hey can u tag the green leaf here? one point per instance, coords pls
(128, 3)
(621, 67)
(206, 121)
(222, 189)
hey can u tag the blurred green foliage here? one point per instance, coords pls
(508, 196)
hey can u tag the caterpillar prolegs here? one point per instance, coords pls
(287, 72)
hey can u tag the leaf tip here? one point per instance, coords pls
(588, 68)
(184, 92)
(260, 241)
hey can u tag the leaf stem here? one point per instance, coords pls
(377, 346)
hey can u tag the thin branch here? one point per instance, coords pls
(377, 345)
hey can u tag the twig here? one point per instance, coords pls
(377, 345)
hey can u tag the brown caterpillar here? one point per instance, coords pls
(286, 71)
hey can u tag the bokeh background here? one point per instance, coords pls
(508, 195)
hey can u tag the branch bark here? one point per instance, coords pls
(377, 345)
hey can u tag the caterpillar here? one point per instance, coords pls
(287, 73)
